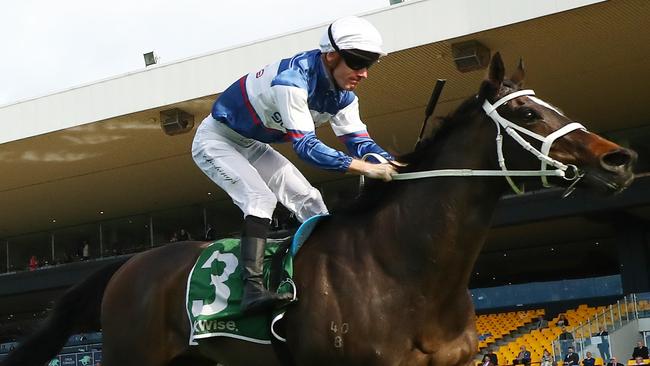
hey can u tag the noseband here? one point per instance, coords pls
(542, 154)
(567, 171)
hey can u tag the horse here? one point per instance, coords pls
(382, 282)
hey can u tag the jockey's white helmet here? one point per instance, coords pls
(352, 33)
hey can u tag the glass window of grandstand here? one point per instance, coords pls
(126, 235)
(3, 255)
(76, 243)
(224, 219)
(178, 224)
(30, 252)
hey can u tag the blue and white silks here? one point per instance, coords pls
(286, 101)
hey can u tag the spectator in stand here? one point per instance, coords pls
(571, 357)
(183, 235)
(541, 322)
(562, 321)
(85, 250)
(493, 356)
(174, 237)
(640, 350)
(487, 361)
(603, 346)
(566, 340)
(210, 233)
(33, 263)
(614, 362)
(639, 361)
(547, 359)
(523, 357)
(589, 361)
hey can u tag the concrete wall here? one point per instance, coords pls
(644, 325)
(624, 340)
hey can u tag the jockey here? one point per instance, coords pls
(285, 102)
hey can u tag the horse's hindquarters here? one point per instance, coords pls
(144, 320)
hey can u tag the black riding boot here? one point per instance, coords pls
(256, 297)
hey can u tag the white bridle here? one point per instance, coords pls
(511, 128)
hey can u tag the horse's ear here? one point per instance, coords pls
(492, 84)
(497, 70)
(519, 75)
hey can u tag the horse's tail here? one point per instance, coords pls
(78, 310)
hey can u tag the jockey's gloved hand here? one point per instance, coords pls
(383, 171)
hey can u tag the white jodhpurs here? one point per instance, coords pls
(253, 174)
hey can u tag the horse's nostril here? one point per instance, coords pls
(618, 158)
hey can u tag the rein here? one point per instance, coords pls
(567, 171)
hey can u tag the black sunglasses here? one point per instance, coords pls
(355, 59)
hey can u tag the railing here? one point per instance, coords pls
(586, 335)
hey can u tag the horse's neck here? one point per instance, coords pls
(441, 223)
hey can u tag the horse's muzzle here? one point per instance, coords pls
(614, 173)
(619, 161)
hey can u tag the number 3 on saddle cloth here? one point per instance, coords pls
(214, 288)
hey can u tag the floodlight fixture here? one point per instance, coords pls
(176, 121)
(470, 55)
(150, 58)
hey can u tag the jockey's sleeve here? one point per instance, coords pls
(349, 128)
(296, 119)
(312, 150)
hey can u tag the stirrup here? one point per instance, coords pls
(264, 300)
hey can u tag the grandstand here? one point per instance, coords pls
(625, 320)
(109, 175)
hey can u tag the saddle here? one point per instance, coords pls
(289, 244)
(215, 287)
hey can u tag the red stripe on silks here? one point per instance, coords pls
(353, 135)
(295, 135)
(251, 110)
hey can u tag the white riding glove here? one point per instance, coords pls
(383, 171)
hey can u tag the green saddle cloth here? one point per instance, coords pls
(214, 291)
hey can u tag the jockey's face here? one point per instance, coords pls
(344, 77)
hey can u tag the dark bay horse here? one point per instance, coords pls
(383, 282)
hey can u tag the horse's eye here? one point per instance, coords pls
(529, 115)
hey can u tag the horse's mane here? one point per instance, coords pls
(376, 192)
